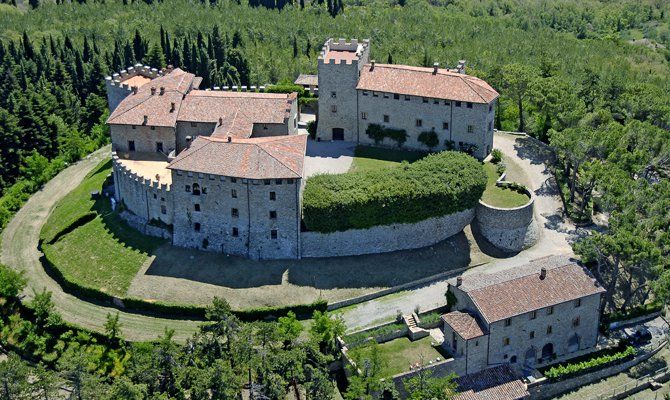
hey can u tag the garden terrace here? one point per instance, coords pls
(437, 185)
(501, 196)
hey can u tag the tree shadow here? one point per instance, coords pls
(535, 151)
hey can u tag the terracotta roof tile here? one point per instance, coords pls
(520, 290)
(420, 81)
(272, 157)
(307, 80)
(497, 383)
(464, 324)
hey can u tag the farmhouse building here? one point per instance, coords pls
(452, 108)
(224, 169)
(546, 310)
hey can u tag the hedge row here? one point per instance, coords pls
(565, 371)
(632, 313)
(81, 221)
(437, 185)
(356, 338)
(175, 310)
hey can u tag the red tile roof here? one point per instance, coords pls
(497, 383)
(464, 324)
(420, 81)
(519, 291)
(238, 111)
(307, 80)
(272, 157)
(156, 107)
(345, 56)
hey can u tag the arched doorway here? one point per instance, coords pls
(573, 343)
(530, 357)
(547, 351)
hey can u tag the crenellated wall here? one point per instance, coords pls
(143, 197)
(117, 90)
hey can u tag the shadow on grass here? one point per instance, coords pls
(366, 271)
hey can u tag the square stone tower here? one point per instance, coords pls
(340, 65)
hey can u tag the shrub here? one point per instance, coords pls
(496, 156)
(429, 138)
(378, 133)
(311, 129)
(286, 88)
(632, 313)
(437, 185)
(564, 371)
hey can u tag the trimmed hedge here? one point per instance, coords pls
(377, 133)
(437, 185)
(564, 371)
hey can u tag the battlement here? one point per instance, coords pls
(127, 174)
(343, 52)
(123, 79)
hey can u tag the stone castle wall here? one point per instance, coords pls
(117, 90)
(384, 238)
(509, 229)
(143, 197)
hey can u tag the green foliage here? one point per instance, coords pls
(436, 185)
(11, 283)
(382, 331)
(311, 129)
(564, 371)
(429, 138)
(496, 156)
(325, 329)
(378, 133)
(424, 385)
(287, 88)
(451, 300)
(635, 312)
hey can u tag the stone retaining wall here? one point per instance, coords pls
(509, 229)
(142, 226)
(384, 238)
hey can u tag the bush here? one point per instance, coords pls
(311, 129)
(378, 133)
(286, 88)
(429, 138)
(496, 156)
(564, 371)
(437, 185)
(632, 313)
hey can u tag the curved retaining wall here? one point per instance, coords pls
(384, 238)
(509, 229)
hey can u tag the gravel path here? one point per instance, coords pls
(19, 251)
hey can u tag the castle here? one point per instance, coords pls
(224, 169)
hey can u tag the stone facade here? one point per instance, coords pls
(384, 238)
(144, 139)
(345, 111)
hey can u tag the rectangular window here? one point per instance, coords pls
(196, 207)
(490, 107)
(396, 96)
(436, 101)
(233, 193)
(549, 330)
(273, 214)
(153, 128)
(407, 98)
(278, 181)
(533, 314)
(196, 226)
(375, 94)
(333, 95)
(506, 341)
(267, 181)
(159, 147)
(445, 126)
(333, 108)
(163, 210)
(155, 196)
(458, 104)
(508, 322)
(425, 100)
(134, 127)
(273, 234)
(386, 118)
(386, 95)
(236, 232)
(578, 303)
(131, 145)
(447, 103)
(365, 93)
(575, 322)
(194, 124)
(419, 123)
(233, 180)
(364, 115)
(188, 188)
(468, 104)
(471, 129)
(550, 310)
(289, 181)
(531, 335)
(234, 213)
(273, 196)
(212, 177)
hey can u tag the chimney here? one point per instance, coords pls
(188, 141)
(543, 273)
(146, 120)
(153, 91)
(230, 139)
(221, 122)
(134, 89)
(372, 65)
(435, 66)
(461, 66)
(162, 90)
(172, 106)
(459, 281)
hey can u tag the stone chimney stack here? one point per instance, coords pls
(172, 107)
(461, 66)
(230, 139)
(435, 67)
(221, 122)
(162, 90)
(459, 281)
(134, 89)
(543, 273)
(372, 65)
(146, 120)
(188, 141)
(153, 90)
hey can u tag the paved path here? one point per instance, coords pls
(19, 251)
(328, 157)
(526, 160)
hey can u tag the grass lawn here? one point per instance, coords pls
(367, 158)
(397, 355)
(500, 197)
(104, 253)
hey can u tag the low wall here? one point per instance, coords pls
(509, 229)
(384, 238)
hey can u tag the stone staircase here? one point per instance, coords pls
(412, 323)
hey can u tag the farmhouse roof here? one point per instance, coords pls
(153, 100)
(424, 82)
(235, 113)
(526, 288)
(272, 157)
(497, 383)
(464, 324)
(307, 80)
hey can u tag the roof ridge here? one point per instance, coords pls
(278, 160)
(522, 276)
(194, 151)
(129, 109)
(467, 82)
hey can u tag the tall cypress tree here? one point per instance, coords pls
(139, 46)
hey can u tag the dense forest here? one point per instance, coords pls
(590, 78)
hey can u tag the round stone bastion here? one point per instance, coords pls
(509, 229)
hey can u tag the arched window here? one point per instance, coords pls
(196, 189)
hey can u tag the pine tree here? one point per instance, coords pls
(139, 46)
(129, 56)
(390, 59)
(295, 47)
(87, 52)
(34, 3)
(302, 4)
(155, 58)
(28, 49)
